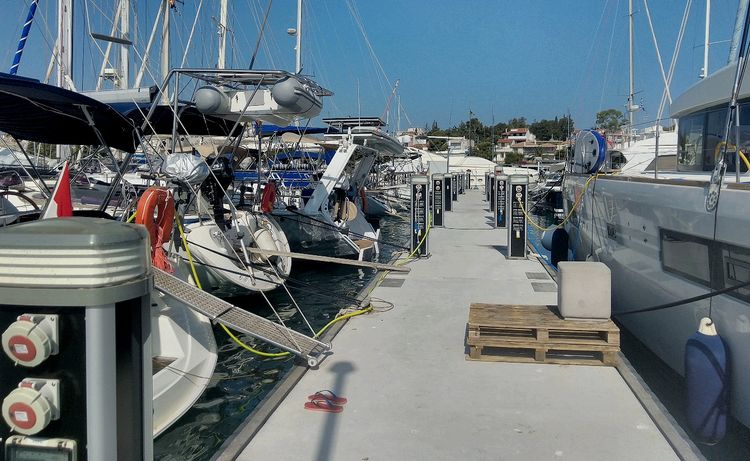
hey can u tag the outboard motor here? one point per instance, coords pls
(215, 184)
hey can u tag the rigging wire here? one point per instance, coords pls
(260, 34)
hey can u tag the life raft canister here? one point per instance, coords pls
(156, 212)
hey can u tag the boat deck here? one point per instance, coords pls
(414, 395)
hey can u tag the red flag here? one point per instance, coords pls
(61, 203)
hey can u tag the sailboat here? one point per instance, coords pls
(671, 235)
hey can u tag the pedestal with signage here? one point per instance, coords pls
(518, 202)
(492, 192)
(448, 185)
(438, 204)
(501, 215)
(419, 214)
(455, 187)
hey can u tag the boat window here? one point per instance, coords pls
(736, 268)
(690, 139)
(686, 255)
(715, 125)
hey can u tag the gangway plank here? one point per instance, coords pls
(220, 311)
(330, 259)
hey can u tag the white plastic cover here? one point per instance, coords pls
(186, 167)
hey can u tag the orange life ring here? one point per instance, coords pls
(269, 197)
(156, 212)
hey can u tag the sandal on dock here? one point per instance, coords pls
(323, 405)
(328, 395)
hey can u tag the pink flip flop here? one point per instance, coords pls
(323, 405)
(328, 395)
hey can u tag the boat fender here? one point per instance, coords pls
(156, 211)
(264, 239)
(547, 239)
(363, 197)
(269, 197)
(707, 381)
(559, 246)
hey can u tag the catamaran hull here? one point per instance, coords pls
(657, 239)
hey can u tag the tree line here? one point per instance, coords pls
(558, 129)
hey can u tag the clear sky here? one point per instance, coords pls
(511, 58)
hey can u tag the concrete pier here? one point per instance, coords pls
(414, 396)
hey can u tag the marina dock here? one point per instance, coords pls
(413, 394)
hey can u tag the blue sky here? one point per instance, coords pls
(531, 58)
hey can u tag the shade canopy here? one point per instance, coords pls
(34, 111)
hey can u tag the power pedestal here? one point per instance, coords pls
(75, 372)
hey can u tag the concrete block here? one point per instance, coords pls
(584, 290)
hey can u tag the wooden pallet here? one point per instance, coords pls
(510, 333)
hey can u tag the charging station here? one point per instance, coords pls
(461, 183)
(454, 191)
(438, 209)
(419, 214)
(501, 202)
(448, 185)
(486, 187)
(517, 196)
(75, 316)
(492, 192)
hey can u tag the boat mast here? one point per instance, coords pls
(165, 41)
(298, 47)
(64, 57)
(631, 93)
(124, 49)
(65, 44)
(223, 14)
(706, 36)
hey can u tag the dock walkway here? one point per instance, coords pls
(414, 396)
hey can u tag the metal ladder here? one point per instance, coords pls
(220, 311)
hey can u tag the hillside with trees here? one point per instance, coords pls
(545, 130)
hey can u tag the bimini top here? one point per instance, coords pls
(34, 111)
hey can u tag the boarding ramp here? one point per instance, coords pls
(239, 319)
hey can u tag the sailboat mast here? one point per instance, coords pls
(124, 49)
(165, 41)
(223, 14)
(298, 47)
(631, 92)
(65, 43)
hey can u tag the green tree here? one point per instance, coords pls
(513, 158)
(610, 120)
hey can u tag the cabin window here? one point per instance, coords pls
(715, 125)
(736, 267)
(687, 256)
(690, 139)
(701, 139)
